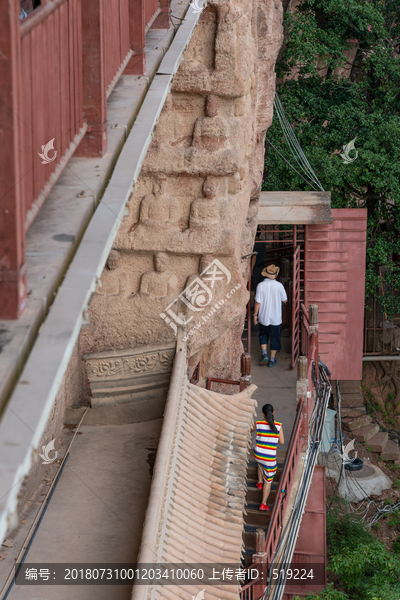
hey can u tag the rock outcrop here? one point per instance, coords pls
(178, 256)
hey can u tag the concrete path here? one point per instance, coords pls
(276, 386)
(97, 510)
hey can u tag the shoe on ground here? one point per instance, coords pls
(259, 485)
(264, 507)
(272, 362)
(264, 360)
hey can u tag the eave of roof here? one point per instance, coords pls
(197, 498)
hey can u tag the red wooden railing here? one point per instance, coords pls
(254, 588)
(51, 108)
(117, 50)
(151, 12)
(218, 380)
(57, 68)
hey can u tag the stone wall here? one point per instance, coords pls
(192, 218)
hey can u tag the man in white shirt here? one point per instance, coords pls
(270, 295)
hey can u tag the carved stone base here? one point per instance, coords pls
(125, 376)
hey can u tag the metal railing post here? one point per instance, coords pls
(245, 370)
(313, 330)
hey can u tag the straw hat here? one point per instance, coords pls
(271, 271)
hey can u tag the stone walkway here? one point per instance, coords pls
(276, 386)
(97, 509)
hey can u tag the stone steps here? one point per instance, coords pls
(352, 423)
(391, 452)
(378, 442)
(366, 433)
(254, 495)
(358, 424)
(255, 518)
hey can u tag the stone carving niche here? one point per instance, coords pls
(208, 224)
(114, 280)
(158, 226)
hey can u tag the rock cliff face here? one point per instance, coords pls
(179, 253)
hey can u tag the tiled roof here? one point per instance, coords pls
(195, 512)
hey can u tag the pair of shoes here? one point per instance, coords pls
(272, 362)
(264, 507)
(264, 360)
(259, 485)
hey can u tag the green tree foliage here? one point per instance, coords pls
(364, 567)
(339, 77)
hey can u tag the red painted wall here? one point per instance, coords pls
(335, 280)
(311, 544)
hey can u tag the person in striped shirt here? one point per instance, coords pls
(269, 435)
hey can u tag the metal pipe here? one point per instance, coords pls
(249, 313)
(380, 358)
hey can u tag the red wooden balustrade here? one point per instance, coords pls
(151, 12)
(57, 68)
(117, 49)
(13, 296)
(218, 380)
(51, 109)
(144, 14)
(254, 588)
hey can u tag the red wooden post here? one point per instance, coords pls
(13, 297)
(260, 556)
(313, 329)
(94, 89)
(163, 20)
(301, 392)
(137, 36)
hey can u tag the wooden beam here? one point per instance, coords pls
(294, 208)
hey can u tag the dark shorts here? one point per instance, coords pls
(270, 332)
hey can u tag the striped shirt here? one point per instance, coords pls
(266, 443)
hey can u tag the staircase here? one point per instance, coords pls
(254, 518)
(358, 425)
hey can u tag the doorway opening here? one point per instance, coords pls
(284, 246)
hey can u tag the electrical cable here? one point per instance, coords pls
(364, 507)
(288, 538)
(290, 165)
(293, 143)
